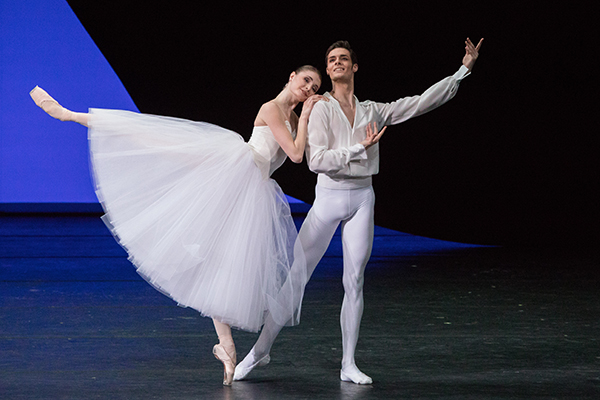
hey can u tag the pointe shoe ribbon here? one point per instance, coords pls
(228, 363)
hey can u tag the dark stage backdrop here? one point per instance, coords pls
(510, 160)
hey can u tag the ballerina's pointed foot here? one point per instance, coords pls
(248, 364)
(353, 374)
(228, 363)
(43, 100)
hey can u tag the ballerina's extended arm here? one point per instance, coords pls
(275, 120)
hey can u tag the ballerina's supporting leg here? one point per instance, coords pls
(43, 100)
(225, 351)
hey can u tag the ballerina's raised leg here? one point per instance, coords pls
(43, 100)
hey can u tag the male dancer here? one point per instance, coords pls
(345, 160)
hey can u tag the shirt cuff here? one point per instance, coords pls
(462, 73)
(357, 152)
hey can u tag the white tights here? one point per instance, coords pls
(354, 209)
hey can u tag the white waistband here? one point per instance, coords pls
(343, 183)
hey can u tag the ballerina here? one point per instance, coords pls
(195, 208)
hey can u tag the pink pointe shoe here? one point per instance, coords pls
(43, 100)
(228, 363)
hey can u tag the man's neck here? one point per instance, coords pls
(343, 92)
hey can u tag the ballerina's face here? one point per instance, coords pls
(304, 84)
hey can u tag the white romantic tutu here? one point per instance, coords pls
(196, 216)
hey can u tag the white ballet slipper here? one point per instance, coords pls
(356, 376)
(248, 364)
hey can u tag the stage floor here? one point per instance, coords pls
(442, 321)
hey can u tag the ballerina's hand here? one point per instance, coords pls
(471, 54)
(308, 104)
(373, 135)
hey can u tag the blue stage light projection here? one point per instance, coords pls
(43, 160)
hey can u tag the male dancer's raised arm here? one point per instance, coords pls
(440, 93)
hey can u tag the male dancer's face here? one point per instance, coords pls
(339, 65)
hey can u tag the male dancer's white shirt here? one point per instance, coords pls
(334, 150)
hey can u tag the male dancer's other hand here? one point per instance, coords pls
(472, 52)
(373, 135)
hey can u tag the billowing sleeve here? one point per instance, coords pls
(323, 154)
(410, 107)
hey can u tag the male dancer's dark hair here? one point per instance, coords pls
(344, 45)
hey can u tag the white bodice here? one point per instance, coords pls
(268, 155)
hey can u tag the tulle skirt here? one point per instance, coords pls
(196, 217)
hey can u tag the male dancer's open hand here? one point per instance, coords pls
(373, 135)
(472, 52)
